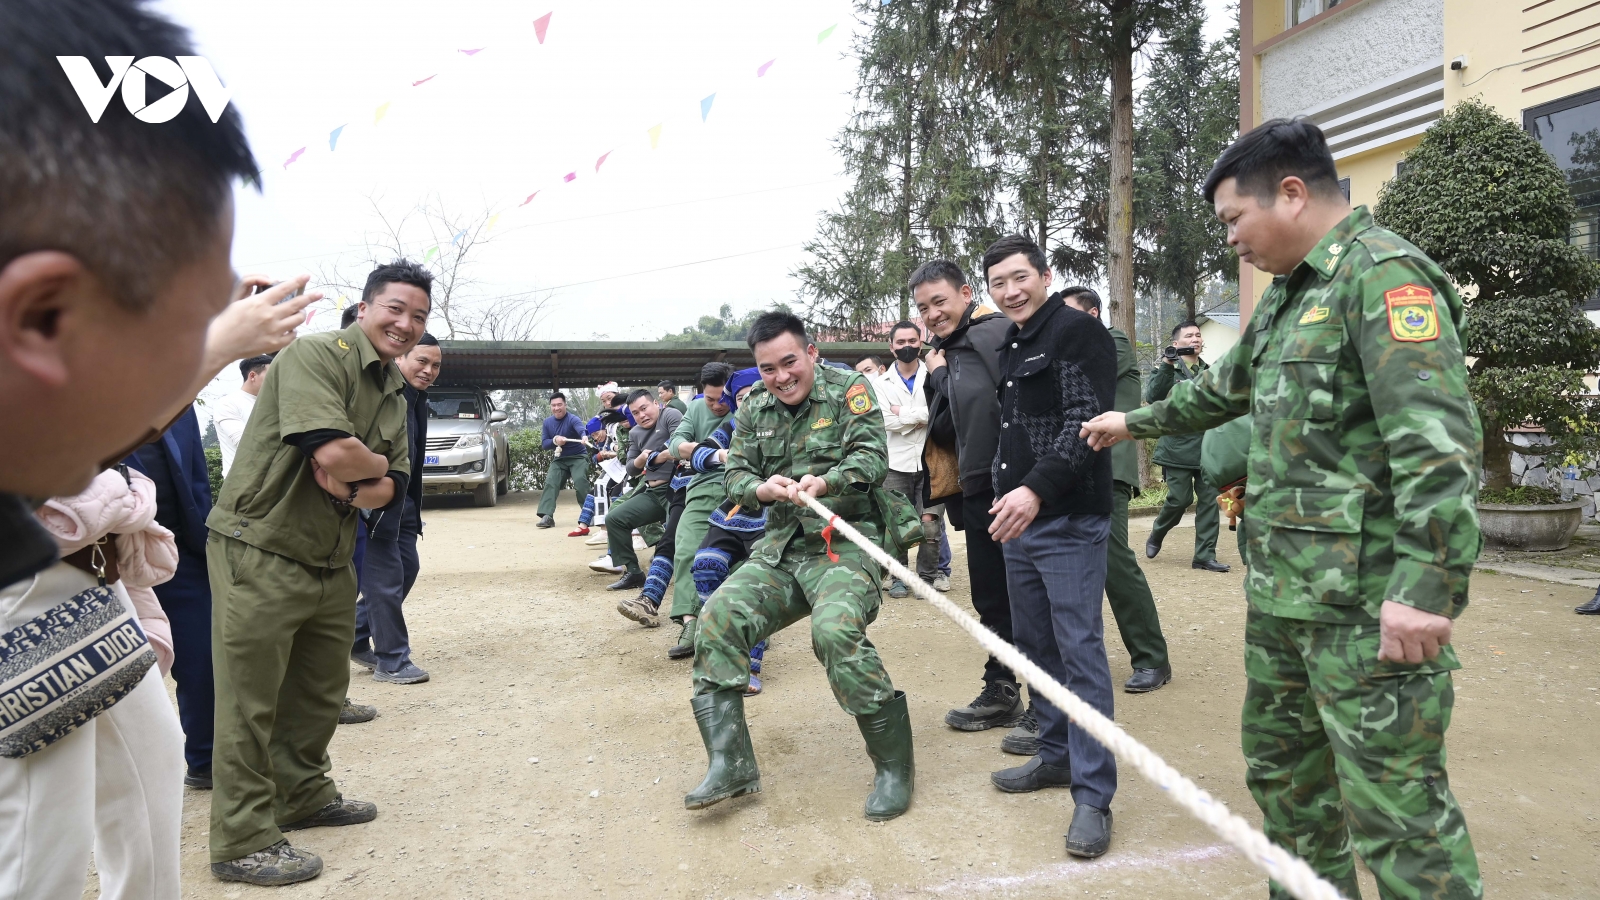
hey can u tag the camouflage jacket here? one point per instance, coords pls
(1365, 447)
(837, 435)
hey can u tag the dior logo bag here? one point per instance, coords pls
(63, 668)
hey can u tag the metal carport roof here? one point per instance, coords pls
(547, 365)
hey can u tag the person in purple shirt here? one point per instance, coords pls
(562, 433)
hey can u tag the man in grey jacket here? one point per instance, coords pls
(963, 367)
(650, 502)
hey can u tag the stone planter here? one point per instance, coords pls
(1530, 527)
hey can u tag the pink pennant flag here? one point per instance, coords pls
(529, 200)
(425, 80)
(542, 25)
(764, 67)
(309, 314)
(573, 176)
(601, 160)
(293, 156)
(471, 52)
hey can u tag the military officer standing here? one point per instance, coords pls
(1178, 455)
(815, 430)
(1360, 524)
(327, 437)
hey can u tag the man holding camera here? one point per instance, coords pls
(1178, 455)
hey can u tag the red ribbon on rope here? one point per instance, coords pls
(827, 539)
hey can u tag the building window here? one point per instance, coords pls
(1301, 10)
(1344, 188)
(1570, 129)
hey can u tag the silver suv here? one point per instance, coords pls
(466, 449)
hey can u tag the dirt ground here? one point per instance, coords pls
(549, 755)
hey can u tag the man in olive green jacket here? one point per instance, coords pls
(1178, 455)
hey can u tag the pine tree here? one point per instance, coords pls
(1188, 114)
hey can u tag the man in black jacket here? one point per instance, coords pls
(963, 367)
(390, 565)
(1052, 516)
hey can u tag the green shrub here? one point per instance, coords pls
(1152, 496)
(1521, 495)
(529, 461)
(1482, 198)
(214, 469)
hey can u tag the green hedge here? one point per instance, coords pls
(214, 469)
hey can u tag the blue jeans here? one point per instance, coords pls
(388, 571)
(186, 599)
(1056, 575)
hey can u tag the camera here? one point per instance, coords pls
(262, 288)
(1175, 352)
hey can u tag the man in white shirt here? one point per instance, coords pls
(230, 414)
(905, 414)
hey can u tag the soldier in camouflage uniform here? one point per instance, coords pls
(1360, 524)
(814, 429)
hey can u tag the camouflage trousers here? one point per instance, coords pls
(1341, 749)
(760, 599)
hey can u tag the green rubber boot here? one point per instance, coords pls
(732, 772)
(888, 734)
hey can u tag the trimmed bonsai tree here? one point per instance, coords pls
(1482, 198)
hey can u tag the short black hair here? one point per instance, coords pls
(402, 271)
(1187, 323)
(1010, 246)
(254, 364)
(636, 393)
(904, 324)
(937, 270)
(1085, 295)
(770, 325)
(1274, 150)
(669, 384)
(876, 362)
(715, 374)
(132, 201)
(348, 317)
(427, 340)
(620, 398)
(557, 395)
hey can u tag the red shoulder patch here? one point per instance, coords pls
(1413, 317)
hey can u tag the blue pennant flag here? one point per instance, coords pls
(705, 107)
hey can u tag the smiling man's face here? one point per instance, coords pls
(788, 367)
(1018, 287)
(395, 318)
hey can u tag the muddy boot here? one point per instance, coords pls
(888, 735)
(732, 771)
(684, 648)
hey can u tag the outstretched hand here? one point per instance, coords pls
(254, 324)
(1105, 429)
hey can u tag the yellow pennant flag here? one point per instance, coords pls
(341, 301)
(655, 136)
(382, 111)
(493, 219)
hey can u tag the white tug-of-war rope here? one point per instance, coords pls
(1279, 864)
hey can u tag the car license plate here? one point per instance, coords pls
(430, 460)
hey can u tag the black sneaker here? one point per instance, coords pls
(198, 778)
(278, 864)
(545, 522)
(366, 659)
(339, 812)
(1023, 740)
(999, 706)
(410, 673)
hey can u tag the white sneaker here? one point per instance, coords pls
(941, 583)
(638, 542)
(598, 536)
(603, 566)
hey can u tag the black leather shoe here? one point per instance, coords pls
(1151, 548)
(1210, 565)
(1592, 608)
(631, 581)
(199, 779)
(1033, 775)
(1146, 680)
(1089, 835)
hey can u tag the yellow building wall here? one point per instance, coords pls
(1521, 54)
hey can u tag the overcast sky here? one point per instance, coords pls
(714, 214)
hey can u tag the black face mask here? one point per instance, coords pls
(906, 354)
